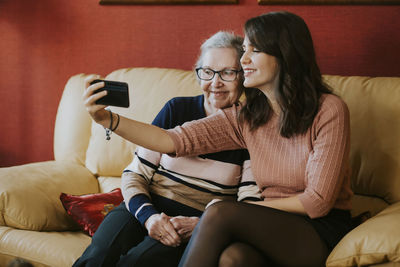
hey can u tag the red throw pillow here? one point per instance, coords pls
(88, 211)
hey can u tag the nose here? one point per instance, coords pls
(216, 81)
(245, 58)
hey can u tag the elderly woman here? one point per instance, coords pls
(164, 196)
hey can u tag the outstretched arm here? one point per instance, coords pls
(143, 134)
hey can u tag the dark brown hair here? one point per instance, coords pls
(285, 36)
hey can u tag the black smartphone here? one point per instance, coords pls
(117, 93)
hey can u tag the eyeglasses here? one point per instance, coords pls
(207, 74)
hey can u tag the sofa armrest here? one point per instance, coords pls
(29, 194)
(373, 242)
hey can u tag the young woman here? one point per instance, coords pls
(297, 133)
(164, 196)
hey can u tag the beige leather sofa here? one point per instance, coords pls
(34, 225)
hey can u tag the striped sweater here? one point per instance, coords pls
(313, 166)
(155, 182)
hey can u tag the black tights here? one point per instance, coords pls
(241, 234)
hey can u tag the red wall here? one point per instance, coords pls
(44, 42)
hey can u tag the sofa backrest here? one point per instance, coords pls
(374, 105)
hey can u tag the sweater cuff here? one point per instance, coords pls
(141, 207)
(145, 213)
(174, 135)
(311, 206)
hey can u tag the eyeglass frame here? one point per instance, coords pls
(217, 72)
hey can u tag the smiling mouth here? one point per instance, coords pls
(248, 71)
(218, 93)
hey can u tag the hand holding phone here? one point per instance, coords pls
(117, 93)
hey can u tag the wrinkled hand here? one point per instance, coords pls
(215, 200)
(160, 228)
(97, 112)
(184, 226)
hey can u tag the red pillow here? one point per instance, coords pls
(88, 211)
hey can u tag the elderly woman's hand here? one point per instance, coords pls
(97, 112)
(184, 226)
(160, 228)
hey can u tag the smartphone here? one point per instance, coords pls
(117, 93)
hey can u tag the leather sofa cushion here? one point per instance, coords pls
(47, 249)
(29, 194)
(107, 184)
(374, 241)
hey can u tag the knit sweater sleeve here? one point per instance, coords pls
(327, 167)
(217, 132)
(135, 182)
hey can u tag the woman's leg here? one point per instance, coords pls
(151, 252)
(118, 233)
(284, 238)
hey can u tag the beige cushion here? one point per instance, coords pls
(375, 241)
(29, 194)
(362, 203)
(107, 184)
(149, 90)
(50, 249)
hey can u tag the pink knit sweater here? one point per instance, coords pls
(314, 166)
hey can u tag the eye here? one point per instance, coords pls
(250, 48)
(208, 71)
(228, 72)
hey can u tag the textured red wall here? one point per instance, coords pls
(44, 42)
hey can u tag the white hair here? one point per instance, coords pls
(221, 39)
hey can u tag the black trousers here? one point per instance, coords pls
(121, 240)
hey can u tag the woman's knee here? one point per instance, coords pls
(241, 255)
(220, 212)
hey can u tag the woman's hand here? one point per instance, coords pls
(184, 226)
(97, 112)
(142, 134)
(160, 228)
